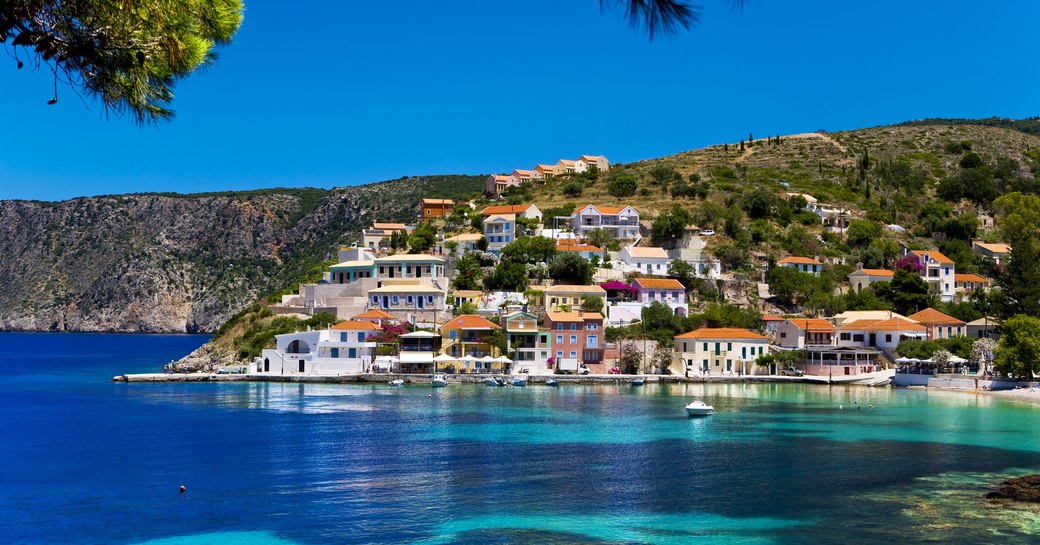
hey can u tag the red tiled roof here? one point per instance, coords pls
(930, 316)
(352, 325)
(799, 261)
(376, 314)
(506, 209)
(812, 324)
(660, 283)
(934, 254)
(470, 321)
(721, 333)
(968, 277)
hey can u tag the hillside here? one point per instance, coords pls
(181, 263)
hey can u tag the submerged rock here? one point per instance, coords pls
(1023, 489)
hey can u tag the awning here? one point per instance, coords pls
(416, 357)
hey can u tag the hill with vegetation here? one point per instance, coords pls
(155, 262)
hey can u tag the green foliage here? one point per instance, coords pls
(422, 238)
(727, 315)
(530, 250)
(1018, 352)
(468, 272)
(922, 350)
(600, 238)
(508, 276)
(622, 186)
(662, 174)
(592, 304)
(684, 272)
(129, 56)
(862, 232)
(571, 268)
(573, 189)
(670, 224)
(791, 287)
(760, 203)
(909, 292)
(1020, 282)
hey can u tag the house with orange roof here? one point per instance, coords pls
(802, 264)
(527, 175)
(584, 250)
(720, 350)
(598, 161)
(938, 270)
(662, 290)
(577, 339)
(939, 325)
(805, 332)
(377, 317)
(435, 208)
(884, 335)
(499, 230)
(464, 242)
(771, 322)
(548, 171)
(998, 252)
(527, 344)
(378, 236)
(644, 259)
(519, 210)
(572, 166)
(622, 221)
(461, 297)
(409, 301)
(467, 335)
(970, 282)
(861, 278)
(570, 295)
(497, 183)
(342, 349)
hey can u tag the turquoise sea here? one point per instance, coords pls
(86, 460)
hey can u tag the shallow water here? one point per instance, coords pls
(90, 461)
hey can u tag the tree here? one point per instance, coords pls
(573, 189)
(670, 224)
(684, 272)
(530, 250)
(1018, 352)
(600, 238)
(663, 174)
(466, 308)
(467, 273)
(623, 186)
(759, 203)
(571, 268)
(862, 232)
(909, 292)
(592, 304)
(657, 16)
(1020, 281)
(629, 358)
(424, 236)
(130, 56)
(508, 276)
(789, 286)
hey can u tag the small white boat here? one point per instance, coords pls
(396, 382)
(520, 381)
(639, 382)
(552, 382)
(439, 381)
(494, 381)
(699, 408)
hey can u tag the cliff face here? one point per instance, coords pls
(179, 263)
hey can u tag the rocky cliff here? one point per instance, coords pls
(180, 263)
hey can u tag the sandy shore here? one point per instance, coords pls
(1029, 395)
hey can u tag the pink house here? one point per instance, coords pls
(939, 325)
(576, 337)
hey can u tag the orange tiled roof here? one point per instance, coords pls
(470, 321)
(894, 323)
(573, 316)
(771, 318)
(506, 209)
(438, 201)
(968, 277)
(352, 325)
(877, 272)
(660, 283)
(376, 314)
(812, 324)
(995, 248)
(572, 247)
(799, 261)
(934, 254)
(721, 333)
(932, 316)
(603, 209)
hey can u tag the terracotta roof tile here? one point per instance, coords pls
(352, 325)
(721, 333)
(506, 209)
(660, 283)
(470, 321)
(932, 316)
(799, 261)
(375, 314)
(812, 324)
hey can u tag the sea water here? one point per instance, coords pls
(86, 460)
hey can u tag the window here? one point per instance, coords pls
(845, 336)
(375, 299)
(559, 339)
(574, 339)
(888, 338)
(429, 299)
(718, 348)
(729, 347)
(574, 354)
(453, 334)
(705, 347)
(559, 327)
(559, 355)
(396, 299)
(409, 300)
(574, 327)
(857, 338)
(783, 334)
(361, 337)
(352, 352)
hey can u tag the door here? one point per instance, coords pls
(420, 302)
(302, 366)
(386, 301)
(873, 339)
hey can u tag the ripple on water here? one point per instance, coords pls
(222, 538)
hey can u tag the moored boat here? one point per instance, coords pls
(439, 381)
(494, 381)
(520, 381)
(552, 382)
(639, 382)
(396, 382)
(699, 408)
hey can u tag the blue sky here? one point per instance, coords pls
(378, 90)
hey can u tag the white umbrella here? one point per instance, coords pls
(503, 359)
(904, 360)
(444, 358)
(957, 359)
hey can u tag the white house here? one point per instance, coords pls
(645, 260)
(527, 175)
(572, 167)
(939, 271)
(499, 230)
(720, 351)
(803, 332)
(497, 183)
(411, 302)
(884, 335)
(622, 221)
(803, 264)
(598, 161)
(529, 211)
(861, 278)
(663, 290)
(345, 348)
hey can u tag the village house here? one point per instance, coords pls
(577, 338)
(662, 290)
(999, 253)
(802, 333)
(572, 167)
(467, 335)
(570, 296)
(352, 270)
(719, 351)
(377, 317)
(938, 270)
(586, 251)
(409, 266)
(497, 183)
(464, 242)
(461, 297)
(499, 230)
(861, 278)
(986, 327)
(344, 348)
(409, 302)
(599, 161)
(416, 351)
(435, 208)
(802, 264)
(527, 175)
(621, 221)
(939, 325)
(884, 335)
(966, 283)
(527, 345)
(528, 211)
(548, 171)
(647, 260)
(379, 235)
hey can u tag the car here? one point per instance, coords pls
(707, 233)
(792, 372)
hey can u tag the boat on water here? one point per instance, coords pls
(439, 380)
(552, 382)
(494, 381)
(699, 408)
(520, 381)
(396, 382)
(639, 382)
